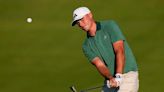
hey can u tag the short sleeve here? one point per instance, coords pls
(115, 32)
(88, 52)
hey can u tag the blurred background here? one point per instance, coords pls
(46, 55)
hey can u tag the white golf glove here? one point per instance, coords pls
(118, 78)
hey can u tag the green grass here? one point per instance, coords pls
(46, 55)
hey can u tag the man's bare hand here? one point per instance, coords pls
(111, 83)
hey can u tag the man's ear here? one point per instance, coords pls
(90, 15)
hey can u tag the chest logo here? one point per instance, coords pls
(105, 37)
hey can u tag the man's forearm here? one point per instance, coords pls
(104, 71)
(120, 62)
(120, 56)
(101, 67)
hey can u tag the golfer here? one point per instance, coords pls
(107, 49)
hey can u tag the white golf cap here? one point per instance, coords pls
(79, 13)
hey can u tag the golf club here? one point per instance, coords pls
(73, 89)
(92, 88)
(85, 90)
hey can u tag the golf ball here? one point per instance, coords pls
(29, 20)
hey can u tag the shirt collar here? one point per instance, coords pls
(98, 26)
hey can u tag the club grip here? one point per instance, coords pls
(73, 89)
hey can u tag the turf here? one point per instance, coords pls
(46, 55)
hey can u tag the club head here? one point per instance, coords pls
(73, 89)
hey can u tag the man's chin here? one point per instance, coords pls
(86, 29)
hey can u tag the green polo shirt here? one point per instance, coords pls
(101, 46)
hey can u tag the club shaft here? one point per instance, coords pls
(73, 89)
(92, 88)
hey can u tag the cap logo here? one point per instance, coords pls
(74, 15)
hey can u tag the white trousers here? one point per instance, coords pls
(130, 83)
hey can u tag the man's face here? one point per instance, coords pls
(85, 23)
